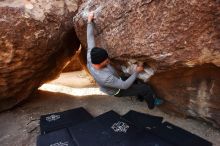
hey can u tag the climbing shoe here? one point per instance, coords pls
(158, 101)
(140, 98)
(150, 102)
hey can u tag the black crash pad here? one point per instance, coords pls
(179, 136)
(111, 129)
(145, 138)
(142, 120)
(56, 138)
(106, 129)
(60, 120)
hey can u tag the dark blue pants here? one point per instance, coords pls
(140, 90)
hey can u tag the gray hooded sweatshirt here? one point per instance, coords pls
(107, 78)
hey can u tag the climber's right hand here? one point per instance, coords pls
(91, 16)
(139, 69)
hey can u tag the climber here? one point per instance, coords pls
(108, 79)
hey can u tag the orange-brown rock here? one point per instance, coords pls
(168, 34)
(78, 61)
(73, 65)
(37, 39)
(191, 91)
(174, 38)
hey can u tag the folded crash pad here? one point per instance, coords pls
(145, 138)
(56, 121)
(106, 129)
(56, 138)
(142, 120)
(111, 129)
(178, 136)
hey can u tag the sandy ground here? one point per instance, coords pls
(20, 126)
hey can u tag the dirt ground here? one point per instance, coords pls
(20, 126)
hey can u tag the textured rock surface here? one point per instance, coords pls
(78, 62)
(173, 38)
(73, 65)
(37, 39)
(170, 33)
(191, 91)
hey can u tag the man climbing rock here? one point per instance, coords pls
(107, 78)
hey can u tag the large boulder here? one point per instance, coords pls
(37, 39)
(178, 40)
